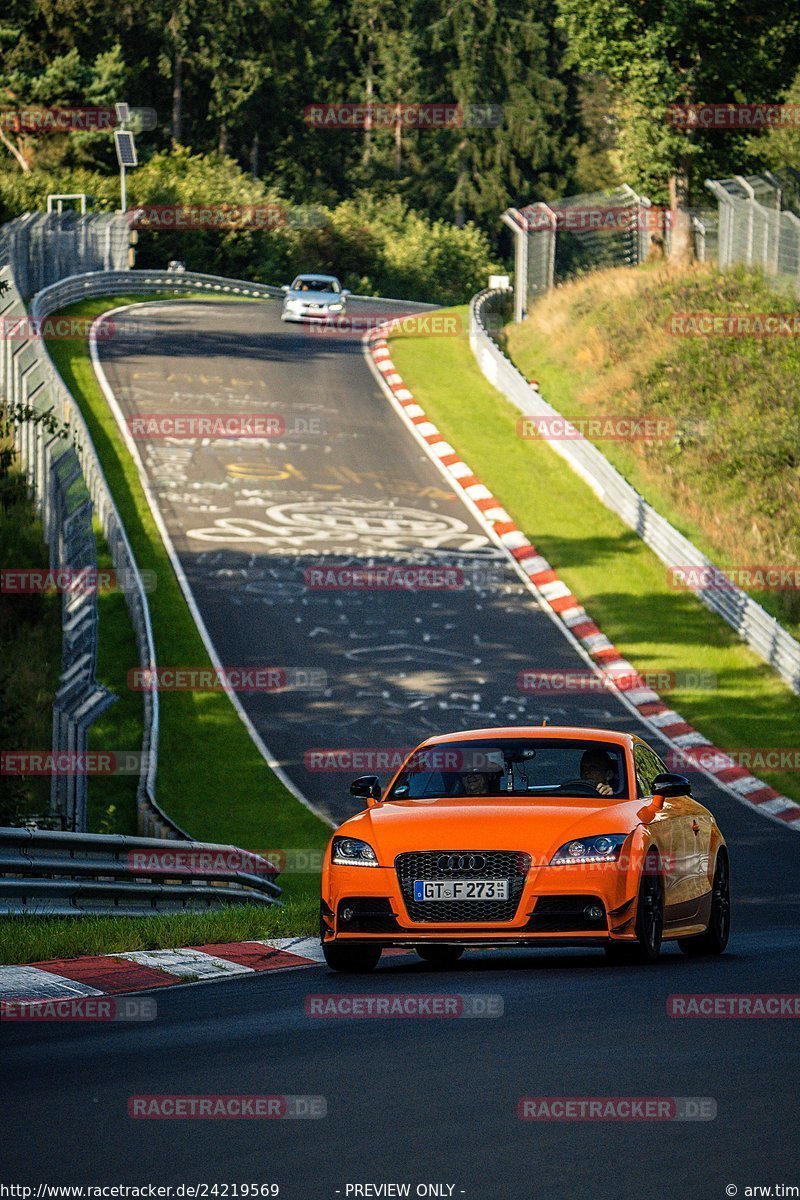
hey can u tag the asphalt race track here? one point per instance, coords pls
(247, 521)
(408, 1100)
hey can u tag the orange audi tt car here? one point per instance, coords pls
(523, 837)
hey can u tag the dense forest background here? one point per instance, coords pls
(581, 89)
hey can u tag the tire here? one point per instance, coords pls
(351, 960)
(649, 919)
(440, 956)
(715, 938)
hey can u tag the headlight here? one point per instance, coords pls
(603, 848)
(350, 852)
(335, 307)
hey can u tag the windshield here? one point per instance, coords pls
(315, 285)
(514, 767)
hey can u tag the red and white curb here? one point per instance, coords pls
(556, 597)
(139, 970)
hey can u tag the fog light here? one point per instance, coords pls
(347, 914)
(593, 913)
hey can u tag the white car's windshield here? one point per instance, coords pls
(309, 284)
(514, 767)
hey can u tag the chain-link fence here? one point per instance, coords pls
(759, 224)
(42, 248)
(66, 501)
(619, 228)
(580, 233)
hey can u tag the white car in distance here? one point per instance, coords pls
(314, 298)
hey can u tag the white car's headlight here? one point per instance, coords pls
(335, 307)
(352, 852)
(605, 847)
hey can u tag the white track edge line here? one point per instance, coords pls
(133, 450)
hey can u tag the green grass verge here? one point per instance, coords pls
(30, 661)
(112, 798)
(211, 778)
(727, 477)
(37, 939)
(610, 570)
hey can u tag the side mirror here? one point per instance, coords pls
(285, 287)
(366, 787)
(346, 292)
(667, 784)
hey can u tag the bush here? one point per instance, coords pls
(376, 245)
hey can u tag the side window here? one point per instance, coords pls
(647, 767)
(660, 766)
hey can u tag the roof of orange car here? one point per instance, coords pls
(576, 732)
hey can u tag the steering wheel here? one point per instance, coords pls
(584, 785)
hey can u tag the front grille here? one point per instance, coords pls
(489, 864)
(370, 914)
(566, 914)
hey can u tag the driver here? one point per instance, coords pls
(598, 767)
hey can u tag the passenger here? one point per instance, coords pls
(482, 783)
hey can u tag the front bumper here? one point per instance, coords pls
(582, 904)
(310, 314)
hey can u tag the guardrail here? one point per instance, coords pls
(27, 373)
(151, 818)
(63, 874)
(28, 376)
(116, 283)
(762, 632)
(80, 698)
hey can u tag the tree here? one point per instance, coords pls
(503, 62)
(685, 52)
(780, 146)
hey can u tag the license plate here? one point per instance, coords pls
(461, 889)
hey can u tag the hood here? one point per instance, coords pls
(538, 827)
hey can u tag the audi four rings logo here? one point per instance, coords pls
(461, 862)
